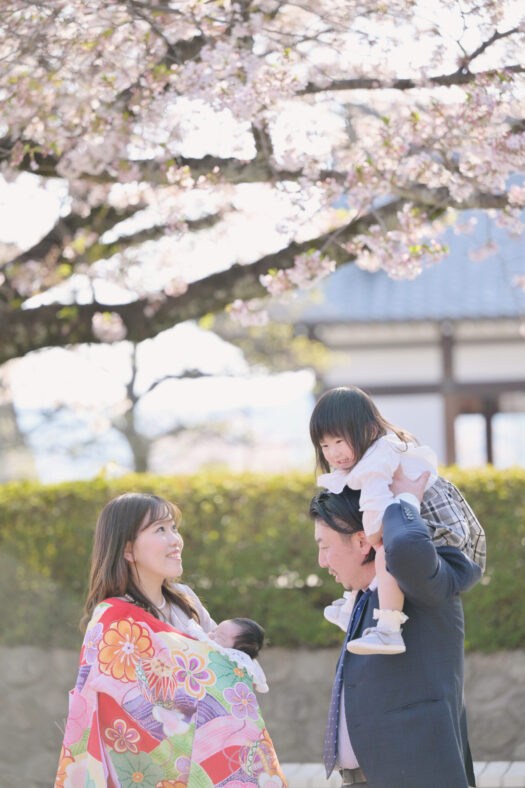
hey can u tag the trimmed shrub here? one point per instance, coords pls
(249, 551)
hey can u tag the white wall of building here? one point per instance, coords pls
(420, 414)
(502, 361)
(378, 366)
(369, 361)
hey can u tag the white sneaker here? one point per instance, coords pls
(376, 640)
(335, 615)
(340, 610)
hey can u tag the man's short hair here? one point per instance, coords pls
(340, 511)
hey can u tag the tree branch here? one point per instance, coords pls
(459, 77)
(441, 198)
(176, 52)
(230, 170)
(486, 44)
(24, 330)
(100, 251)
(186, 374)
(64, 230)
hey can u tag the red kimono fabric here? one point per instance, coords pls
(153, 708)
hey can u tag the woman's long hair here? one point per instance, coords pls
(119, 523)
(348, 412)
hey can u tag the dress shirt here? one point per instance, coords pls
(346, 757)
(408, 498)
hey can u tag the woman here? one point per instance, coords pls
(151, 706)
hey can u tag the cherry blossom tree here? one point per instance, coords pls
(79, 428)
(363, 124)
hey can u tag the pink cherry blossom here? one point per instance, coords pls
(248, 313)
(519, 281)
(482, 252)
(108, 326)
(155, 117)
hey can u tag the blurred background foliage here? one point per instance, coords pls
(249, 551)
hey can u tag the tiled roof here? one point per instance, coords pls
(455, 289)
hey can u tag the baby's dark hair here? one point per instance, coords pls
(350, 413)
(251, 637)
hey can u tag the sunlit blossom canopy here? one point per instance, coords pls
(210, 154)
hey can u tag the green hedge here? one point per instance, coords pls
(249, 550)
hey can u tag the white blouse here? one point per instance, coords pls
(178, 618)
(373, 475)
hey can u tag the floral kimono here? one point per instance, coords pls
(153, 708)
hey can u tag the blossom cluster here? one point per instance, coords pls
(403, 252)
(519, 281)
(108, 327)
(247, 313)
(307, 271)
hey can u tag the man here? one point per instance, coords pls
(398, 721)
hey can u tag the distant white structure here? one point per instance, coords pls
(435, 350)
(16, 459)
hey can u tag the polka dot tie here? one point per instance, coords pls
(332, 727)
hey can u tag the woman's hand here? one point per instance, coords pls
(401, 483)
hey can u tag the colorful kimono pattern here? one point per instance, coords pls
(153, 708)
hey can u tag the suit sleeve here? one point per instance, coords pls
(425, 574)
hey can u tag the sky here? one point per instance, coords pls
(256, 406)
(265, 409)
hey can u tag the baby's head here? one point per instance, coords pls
(240, 633)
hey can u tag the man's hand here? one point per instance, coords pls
(401, 483)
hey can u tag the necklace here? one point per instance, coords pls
(144, 606)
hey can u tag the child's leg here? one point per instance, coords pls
(386, 637)
(390, 595)
(373, 527)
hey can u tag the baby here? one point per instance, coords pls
(240, 639)
(242, 634)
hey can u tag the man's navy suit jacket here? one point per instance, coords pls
(405, 713)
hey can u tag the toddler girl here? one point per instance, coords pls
(352, 437)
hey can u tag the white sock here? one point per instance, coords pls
(390, 619)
